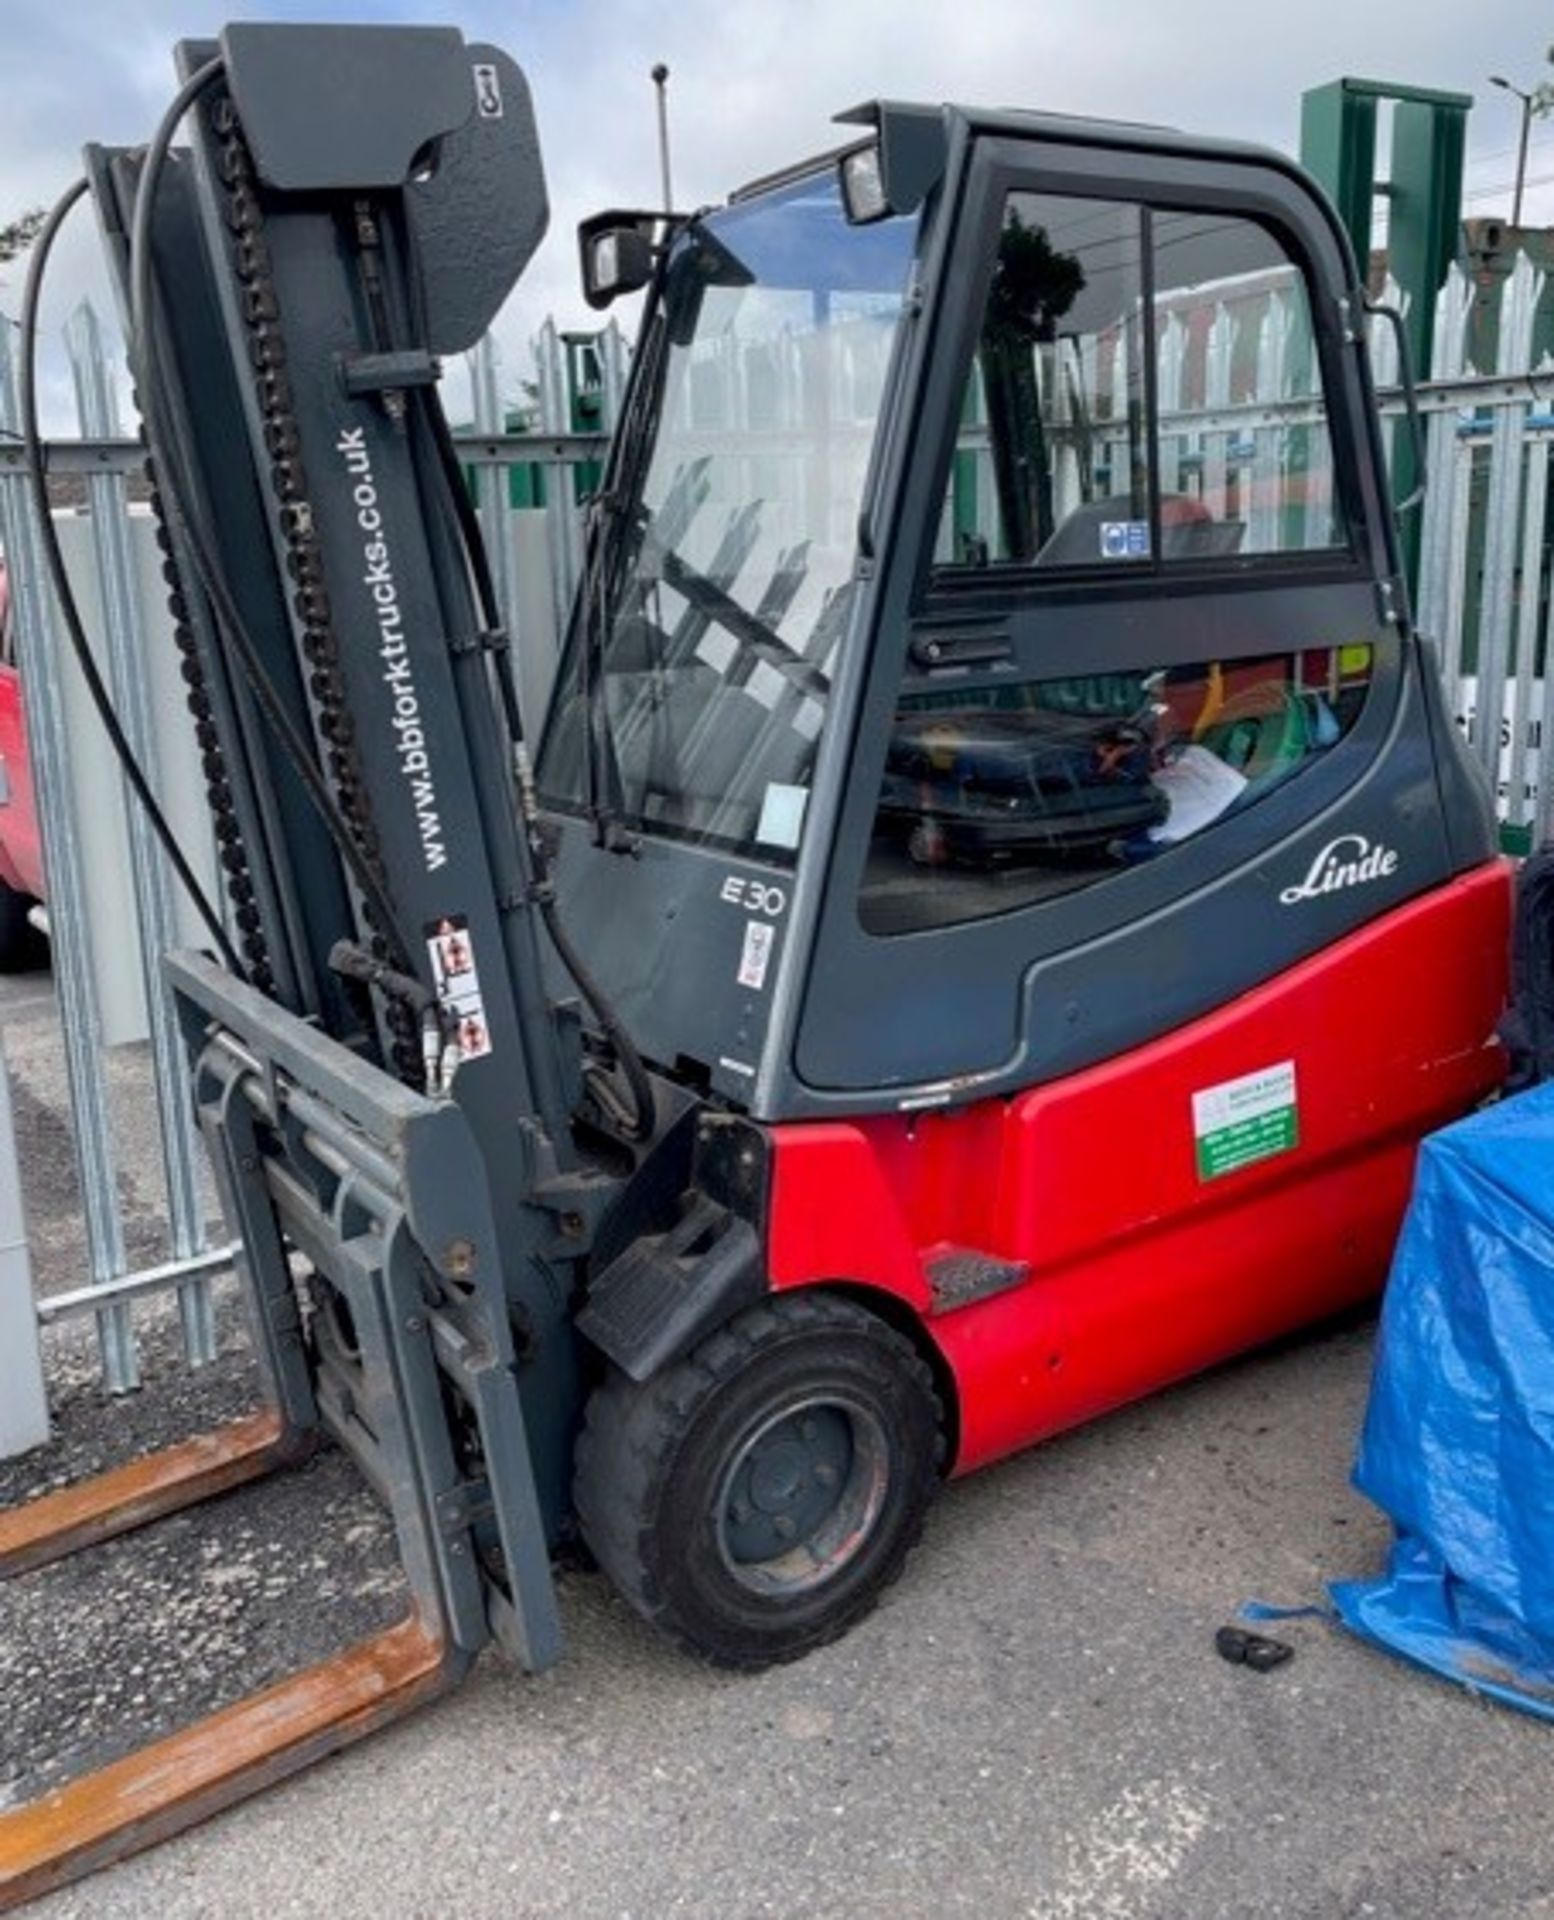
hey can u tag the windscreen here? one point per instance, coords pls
(705, 639)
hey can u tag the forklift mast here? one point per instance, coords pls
(313, 255)
(996, 903)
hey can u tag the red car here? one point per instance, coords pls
(21, 852)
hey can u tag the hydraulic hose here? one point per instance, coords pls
(638, 1124)
(646, 1108)
(64, 594)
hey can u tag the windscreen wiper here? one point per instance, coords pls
(603, 560)
(604, 790)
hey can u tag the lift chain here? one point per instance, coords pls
(233, 856)
(260, 311)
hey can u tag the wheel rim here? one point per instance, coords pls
(800, 1498)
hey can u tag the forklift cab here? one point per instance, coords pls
(992, 619)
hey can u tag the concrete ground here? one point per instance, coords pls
(1034, 1724)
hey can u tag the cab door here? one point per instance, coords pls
(1138, 689)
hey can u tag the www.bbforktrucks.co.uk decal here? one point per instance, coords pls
(1240, 1122)
(1349, 861)
(456, 983)
(393, 652)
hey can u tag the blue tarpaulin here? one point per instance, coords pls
(1458, 1443)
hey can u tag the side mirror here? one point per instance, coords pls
(618, 255)
(863, 186)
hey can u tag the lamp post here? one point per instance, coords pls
(1499, 80)
(660, 81)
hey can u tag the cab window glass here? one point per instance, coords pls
(1241, 433)
(1001, 795)
(695, 687)
(1054, 418)
(1068, 457)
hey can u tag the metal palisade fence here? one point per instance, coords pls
(1485, 590)
(1484, 595)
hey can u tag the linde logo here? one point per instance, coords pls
(1348, 861)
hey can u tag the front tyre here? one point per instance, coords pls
(754, 1500)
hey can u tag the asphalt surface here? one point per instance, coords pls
(1034, 1724)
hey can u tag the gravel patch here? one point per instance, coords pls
(128, 1641)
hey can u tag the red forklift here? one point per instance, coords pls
(993, 906)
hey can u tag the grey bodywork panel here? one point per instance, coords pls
(665, 930)
(672, 1280)
(342, 108)
(1066, 981)
(480, 213)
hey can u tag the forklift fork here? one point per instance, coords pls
(159, 1789)
(383, 1194)
(47, 1529)
(172, 1784)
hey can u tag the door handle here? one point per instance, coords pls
(931, 650)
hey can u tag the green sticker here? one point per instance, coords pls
(1240, 1122)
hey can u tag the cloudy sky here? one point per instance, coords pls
(754, 83)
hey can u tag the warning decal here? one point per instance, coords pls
(1124, 539)
(488, 91)
(1242, 1121)
(755, 955)
(457, 984)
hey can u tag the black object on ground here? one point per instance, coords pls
(1254, 1650)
